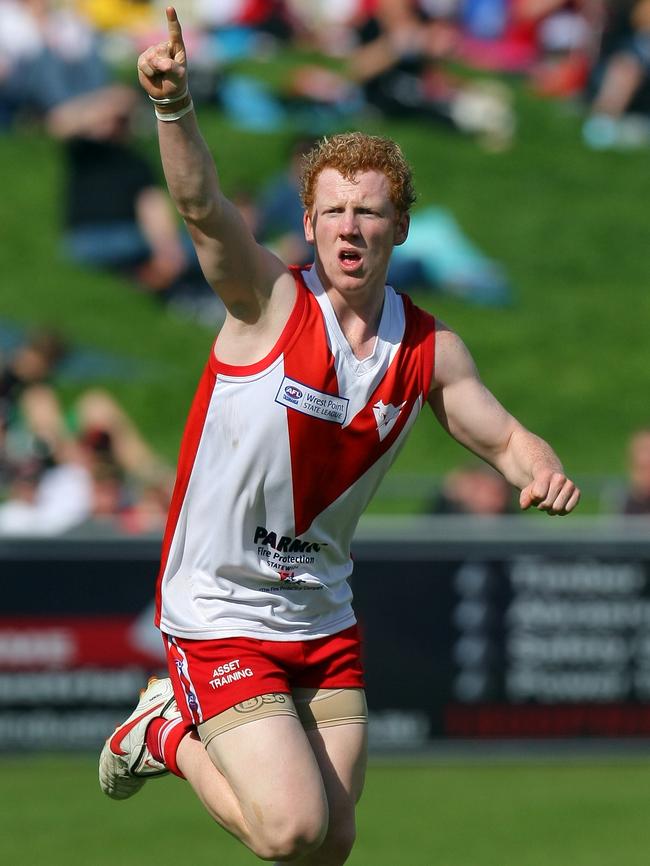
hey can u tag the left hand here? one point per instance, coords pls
(550, 491)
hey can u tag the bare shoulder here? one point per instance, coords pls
(249, 334)
(270, 287)
(453, 360)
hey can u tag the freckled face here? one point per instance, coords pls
(353, 226)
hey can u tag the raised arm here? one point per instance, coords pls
(474, 417)
(248, 278)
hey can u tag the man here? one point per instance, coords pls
(314, 381)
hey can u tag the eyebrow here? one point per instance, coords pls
(358, 205)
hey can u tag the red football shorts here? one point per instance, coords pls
(210, 676)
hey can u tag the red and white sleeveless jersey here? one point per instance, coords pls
(278, 461)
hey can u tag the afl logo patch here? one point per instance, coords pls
(292, 393)
(319, 404)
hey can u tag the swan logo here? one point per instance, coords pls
(386, 416)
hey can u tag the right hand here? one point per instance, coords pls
(162, 69)
(550, 491)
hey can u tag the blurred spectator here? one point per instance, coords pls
(46, 498)
(400, 64)
(439, 256)
(637, 500)
(130, 485)
(117, 216)
(266, 16)
(474, 489)
(112, 437)
(620, 87)
(280, 211)
(49, 488)
(59, 470)
(517, 35)
(330, 25)
(52, 56)
(115, 213)
(233, 29)
(91, 480)
(148, 514)
(23, 455)
(131, 15)
(33, 362)
(21, 38)
(567, 33)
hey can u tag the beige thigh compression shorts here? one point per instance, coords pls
(315, 708)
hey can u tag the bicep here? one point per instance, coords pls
(224, 244)
(239, 270)
(464, 406)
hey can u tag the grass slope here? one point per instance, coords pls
(569, 357)
(447, 814)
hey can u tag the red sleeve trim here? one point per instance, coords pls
(421, 330)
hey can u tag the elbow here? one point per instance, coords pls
(198, 210)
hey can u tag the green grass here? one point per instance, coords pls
(432, 814)
(570, 226)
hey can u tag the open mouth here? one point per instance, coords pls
(349, 259)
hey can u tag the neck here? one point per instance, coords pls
(362, 314)
(358, 314)
(364, 303)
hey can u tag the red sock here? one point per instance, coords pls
(163, 739)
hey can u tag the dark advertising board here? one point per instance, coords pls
(468, 635)
(77, 641)
(496, 632)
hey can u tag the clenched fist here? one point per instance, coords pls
(550, 491)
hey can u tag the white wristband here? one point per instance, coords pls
(177, 114)
(169, 100)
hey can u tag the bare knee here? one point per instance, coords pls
(290, 839)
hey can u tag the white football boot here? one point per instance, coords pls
(126, 763)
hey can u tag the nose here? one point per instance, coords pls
(348, 225)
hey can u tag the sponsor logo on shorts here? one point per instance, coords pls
(229, 672)
(254, 704)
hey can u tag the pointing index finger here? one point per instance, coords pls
(174, 28)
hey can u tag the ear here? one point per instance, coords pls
(401, 232)
(308, 227)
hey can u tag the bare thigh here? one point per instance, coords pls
(273, 772)
(341, 752)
